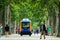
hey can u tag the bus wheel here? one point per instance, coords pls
(21, 34)
(29, 34)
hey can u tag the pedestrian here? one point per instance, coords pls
(6, 29)
(16, 30)
(37, 31)
(1, 29)
(49, 30)
(42, 30)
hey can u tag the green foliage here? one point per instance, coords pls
(28, 9)
(35, 25)
(35, 10)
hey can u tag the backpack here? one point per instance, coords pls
(42, 27)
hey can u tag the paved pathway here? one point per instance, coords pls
(27, 37)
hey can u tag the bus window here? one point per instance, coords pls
(25, 24)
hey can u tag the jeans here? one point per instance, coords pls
(0, 33)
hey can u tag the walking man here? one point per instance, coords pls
(42, 30)
(6, 30)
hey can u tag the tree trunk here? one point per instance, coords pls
(48, 24)
(15, 27)
(5, 14)
(57, 23)
(52, 25)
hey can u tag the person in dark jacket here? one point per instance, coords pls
(42, 30)
(37, 31)
(6, 30)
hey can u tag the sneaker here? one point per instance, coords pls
(44, 38)
(40, 38)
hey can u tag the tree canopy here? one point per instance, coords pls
(35, 10)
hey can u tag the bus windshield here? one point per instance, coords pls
(25, 24)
